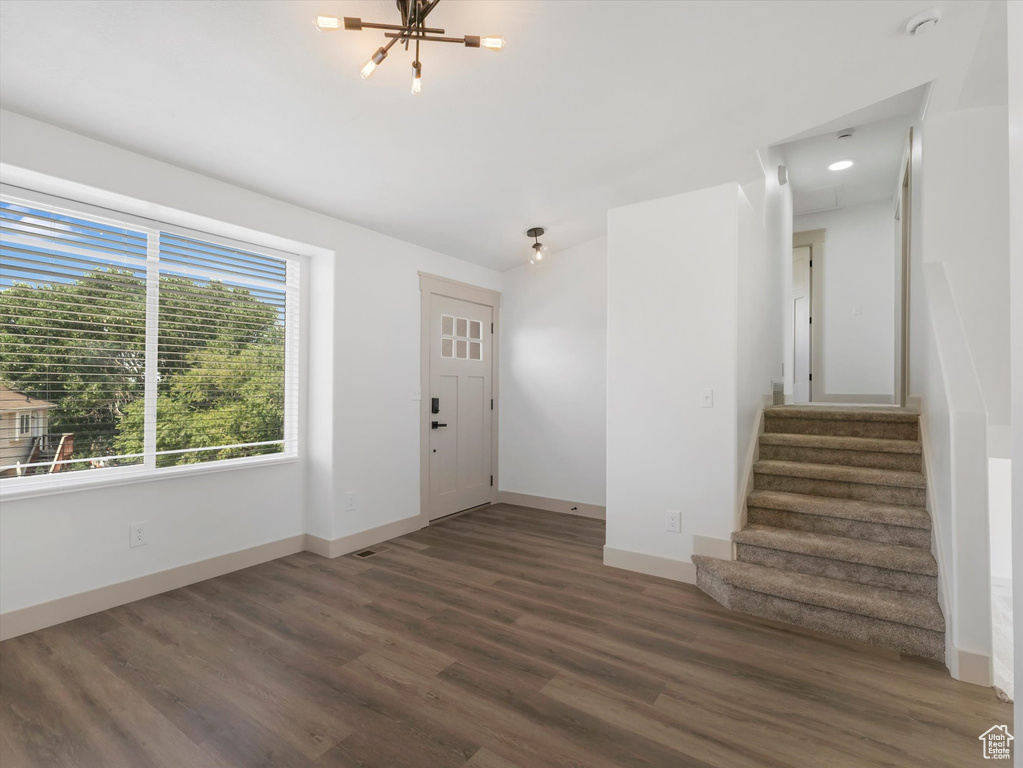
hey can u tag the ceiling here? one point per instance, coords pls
(591, 105)
(875, 148)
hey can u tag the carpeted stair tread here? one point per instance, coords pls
(875, 444)
(848, 509)
(841, 473)
(840, 413)
(849, 597)
(893, 557)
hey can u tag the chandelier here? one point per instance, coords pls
(412, 29)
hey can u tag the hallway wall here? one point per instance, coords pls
(856, 272)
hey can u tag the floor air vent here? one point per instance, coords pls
(371, 552)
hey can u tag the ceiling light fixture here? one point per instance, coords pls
(539, 249)
(412, 29)
(841, 165)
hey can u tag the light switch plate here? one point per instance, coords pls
(706, 398)
(857, 309)
(350, 501)
(417, 393)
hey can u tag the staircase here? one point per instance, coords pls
(837, 539)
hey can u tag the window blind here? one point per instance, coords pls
(140, 347)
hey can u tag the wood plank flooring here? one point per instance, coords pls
(493, 640)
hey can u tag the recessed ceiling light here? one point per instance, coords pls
(841, 165)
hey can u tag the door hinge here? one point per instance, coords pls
(491, 481)
(491, 403)
(491, 327)
(811, 321)
(811, 377)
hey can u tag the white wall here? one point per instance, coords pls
(364, 362)
(674, 330)
(959, 356)
(554, 376)
(855, 270)
(966, 214)
(1015, 125)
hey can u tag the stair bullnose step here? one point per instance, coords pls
(842, 474)
(839, 413)
(837, 443)
(848, 597)
(894, 557)
(848, 509)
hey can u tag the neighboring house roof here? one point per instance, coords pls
(12, 400)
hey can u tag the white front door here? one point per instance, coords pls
(461, 366)
(801, 324)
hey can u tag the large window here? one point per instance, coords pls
(140, 348)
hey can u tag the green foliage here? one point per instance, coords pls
(81, 345)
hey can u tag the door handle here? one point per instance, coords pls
(436, 424)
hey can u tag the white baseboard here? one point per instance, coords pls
(553, 505)
(33, 617)
(362, 539)
(973, 668)
(23, 620)
(709, 546)
(652, 565)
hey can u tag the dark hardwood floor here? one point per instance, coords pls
(493, 640)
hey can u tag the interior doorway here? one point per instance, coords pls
(802, 351)
(458, 414)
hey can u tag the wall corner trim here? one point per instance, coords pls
(594, 511)
(652, 565)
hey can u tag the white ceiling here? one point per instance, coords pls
(591, 105)
(876, 151)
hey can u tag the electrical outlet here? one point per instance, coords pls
(673, 521)
(350, 501)
(706, 398)
(137, 534)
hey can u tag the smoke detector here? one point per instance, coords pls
(923, 22)
(846, 134)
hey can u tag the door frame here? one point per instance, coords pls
(430, 285)
(809, 304)
(814, 240)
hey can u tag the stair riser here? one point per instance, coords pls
(915, 641)
(885, 494)
(891, 430)
(909, 462)
(837, 526)
(901, 581)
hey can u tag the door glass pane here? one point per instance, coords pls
(447, 325)
(475, 329)
(463, 352)
(475, 350)
(445, 347)
(461, 327)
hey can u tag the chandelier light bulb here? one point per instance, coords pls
(327, 23)
(370, 66)
(493, 42)
(417, 78)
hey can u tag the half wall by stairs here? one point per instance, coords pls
(837, 538)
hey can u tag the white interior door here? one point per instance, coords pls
(801, 324)
(461, 369)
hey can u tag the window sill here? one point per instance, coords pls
(12, 491)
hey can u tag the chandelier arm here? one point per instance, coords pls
(400, 28)
(427, 38)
